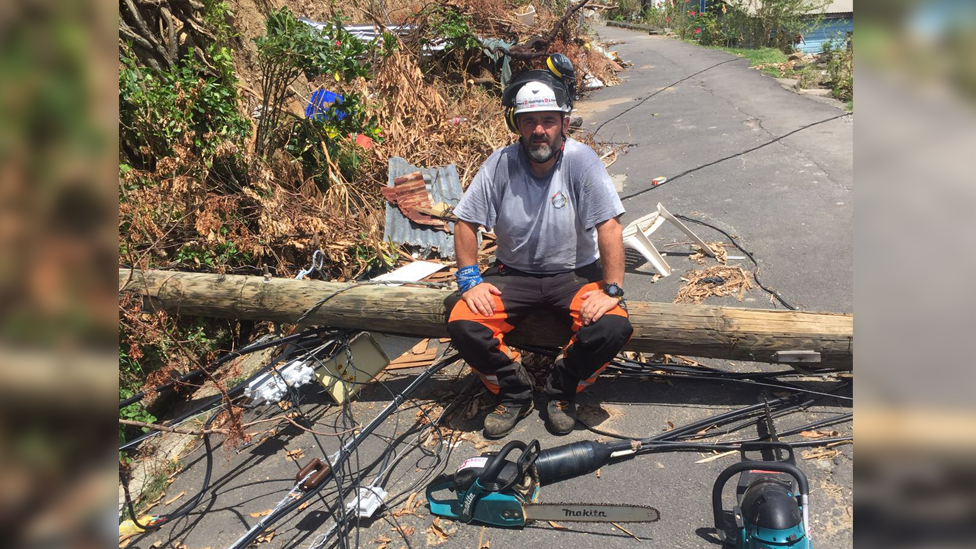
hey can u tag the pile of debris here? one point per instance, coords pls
(719, 281)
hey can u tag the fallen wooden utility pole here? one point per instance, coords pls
(818, 340)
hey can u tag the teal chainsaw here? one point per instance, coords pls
(492, 489)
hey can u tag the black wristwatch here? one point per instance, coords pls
(614, 290)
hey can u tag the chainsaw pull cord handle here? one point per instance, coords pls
(774, 466)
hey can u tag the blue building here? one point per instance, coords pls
(836, 23)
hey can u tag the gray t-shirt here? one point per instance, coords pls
(542, 225)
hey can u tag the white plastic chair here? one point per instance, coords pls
(637, 233)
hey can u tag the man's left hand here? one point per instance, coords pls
(595, 304)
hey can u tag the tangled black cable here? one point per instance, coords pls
(389, 464)
(721, 376)
(678, 438)
(387, 468)
(344, 454)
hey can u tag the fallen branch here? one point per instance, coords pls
(158, 427)
(537, 46)
(335, 434)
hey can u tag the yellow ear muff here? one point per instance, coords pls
(552, 67)
(510, 119)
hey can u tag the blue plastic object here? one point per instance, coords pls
(772, 501)
(321, 102)
(495, 508)
(487, 500)
(753, 536)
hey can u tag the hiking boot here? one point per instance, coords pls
(561, 416)
(504, 417)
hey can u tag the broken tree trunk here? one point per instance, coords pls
(692, 330)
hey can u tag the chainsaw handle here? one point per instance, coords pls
(529, 454)
(528, 457)
(742, 466)
(443, 507)
(767, 445)
(497, 461)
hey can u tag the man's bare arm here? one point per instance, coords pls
(611, 243)
(479, 298)
(466, 243)
(609, 237)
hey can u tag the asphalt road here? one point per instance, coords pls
(681, 109)
(727, 138)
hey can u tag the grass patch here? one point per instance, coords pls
(153, 488)
(810, 76)
(762, 57)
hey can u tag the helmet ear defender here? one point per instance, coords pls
(510, 119)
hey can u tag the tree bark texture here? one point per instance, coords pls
(691, 330)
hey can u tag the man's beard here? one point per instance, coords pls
(540, 151)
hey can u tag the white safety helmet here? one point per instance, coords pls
(537, 96)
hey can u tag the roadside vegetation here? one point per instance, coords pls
(832, 69)
(766, 36)
(249, 140)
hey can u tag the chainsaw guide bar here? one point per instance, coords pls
(591, 512)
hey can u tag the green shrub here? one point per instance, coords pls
(188, 104)
(775, 23)
(155, 343)
(838, 57)
(629, 10)
(131, 376)
(778, 23)
(291, 48)
(447, 24)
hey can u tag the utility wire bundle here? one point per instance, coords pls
(356, 499)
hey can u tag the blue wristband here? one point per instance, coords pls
(467, 277)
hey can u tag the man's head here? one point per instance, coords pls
(541, 119)
(537, 104)
(542, 133)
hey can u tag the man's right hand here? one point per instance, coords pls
(479, 298)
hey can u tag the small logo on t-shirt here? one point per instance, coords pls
(558, 200)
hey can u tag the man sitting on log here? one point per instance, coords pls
(555, 214)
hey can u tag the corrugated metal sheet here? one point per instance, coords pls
(831, 28)
(443, 185)
(367, 33)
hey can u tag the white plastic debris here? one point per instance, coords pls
(368, 501)
(271, 387)
(592, 83)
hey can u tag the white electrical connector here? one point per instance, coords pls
(271, 387)
(368, 501)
